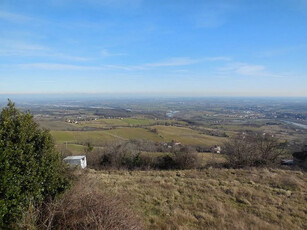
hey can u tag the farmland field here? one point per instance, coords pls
(184, 135)
(105, 123)
(82, 137)
(134, 133)
(74, 149)
(56, 125)
(187, 136)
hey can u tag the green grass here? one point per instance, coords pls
(134, 121)
(75, 149)
(81, 137)
(63, 136)
(104, 137)
(187, 136)
(56, 125)
(134, 133)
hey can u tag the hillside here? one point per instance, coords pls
(210, 198)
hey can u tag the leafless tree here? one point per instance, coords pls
(253, 149)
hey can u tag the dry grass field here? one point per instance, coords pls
(210, 198)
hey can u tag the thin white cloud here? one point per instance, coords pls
(13, 48)
(56, 66)
(217, 59)
(245, 69)
(22, 49)
(179, 61)
(106, 53)
(184, 61)
(172, 62)
(123, 67)
(4, 15)
(69, 57)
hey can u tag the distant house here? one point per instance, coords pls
(300, 159)
(177, 144)
(76, 161)
(216, 149)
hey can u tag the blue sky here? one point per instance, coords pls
(158, 47)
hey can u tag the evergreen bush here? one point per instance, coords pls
(30, 168)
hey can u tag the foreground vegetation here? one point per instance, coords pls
(31, 171)
(210, 198)
(181, 199)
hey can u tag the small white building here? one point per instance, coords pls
(216, 149)
(76, 161)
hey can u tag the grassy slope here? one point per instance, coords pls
(102, 123)
(80, 149)
(135, 133)
(75, 149)
(56, 125)
(212, 198)
(94, 137)
(187, 136)
(103, 137)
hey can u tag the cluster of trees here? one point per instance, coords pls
(243, 150)
(253, 150)
(30, 168)
(131, 155)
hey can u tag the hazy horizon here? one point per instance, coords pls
(101, 98)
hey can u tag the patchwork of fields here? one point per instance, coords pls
(104, 123)
(102, 132)
(184, 135)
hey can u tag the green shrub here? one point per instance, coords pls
(30, 168)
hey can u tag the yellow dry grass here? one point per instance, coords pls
(211, 198)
